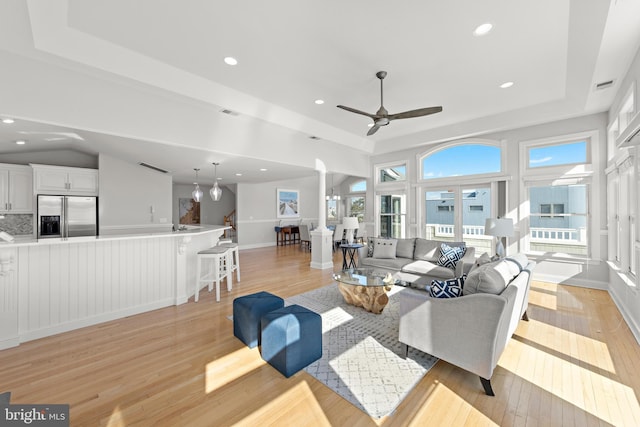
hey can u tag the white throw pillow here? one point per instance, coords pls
(384, 248)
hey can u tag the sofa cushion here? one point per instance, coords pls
(386, 264)
(451, 288)
(370, 244)
(428, 268)
(450, 255)
(384, 248)
(405, 248)
(489, 278)
(481, 260)
(428, 250)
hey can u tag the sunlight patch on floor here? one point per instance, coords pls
(459, 410)
(543, 300)
(221, 372)
(584, 349)
(299, 395)
(573, 383)
(116, 419)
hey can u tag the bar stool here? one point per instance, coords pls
(235, 257)
(221, 257)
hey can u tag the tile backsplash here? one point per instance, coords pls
(17, 224)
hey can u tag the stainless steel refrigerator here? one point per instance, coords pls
(67, 216)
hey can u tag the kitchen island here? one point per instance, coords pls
(49, 286)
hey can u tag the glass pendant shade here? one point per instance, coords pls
(197, 192)
(216, 191)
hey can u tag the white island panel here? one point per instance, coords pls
(57, 286)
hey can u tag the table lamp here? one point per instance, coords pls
(499, 227)
(350, 224)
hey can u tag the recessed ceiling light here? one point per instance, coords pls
(21, 142)
(506, 85)
(263, 170)
(230, 60)
(7, 121)
(319, 101)
(238, 174)
(482, 29)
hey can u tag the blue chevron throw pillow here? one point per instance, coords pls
(451, 288)
(450, 255)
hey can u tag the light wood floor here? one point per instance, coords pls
(574, 363)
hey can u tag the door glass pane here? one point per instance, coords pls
(392, 216)
(440, 215)
(356, 207)
(558, 219)
(476, 208)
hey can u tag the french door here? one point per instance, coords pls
(458, 213)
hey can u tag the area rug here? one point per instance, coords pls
(361, 355)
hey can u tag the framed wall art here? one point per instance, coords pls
(288, 203)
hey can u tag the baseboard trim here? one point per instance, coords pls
(551, 278)
(94, 320)
(631, 323)
(10, 342)
(321, 265)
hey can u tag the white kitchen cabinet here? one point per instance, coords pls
(65, 180)
(16, 190)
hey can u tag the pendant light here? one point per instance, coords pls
(216, 191)
(332, 196)
(197, 192)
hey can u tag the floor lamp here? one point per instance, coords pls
(499, 227)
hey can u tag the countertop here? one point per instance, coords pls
(189, 231)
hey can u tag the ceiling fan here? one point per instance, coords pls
(382, 116)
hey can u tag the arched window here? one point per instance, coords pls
(460, 160)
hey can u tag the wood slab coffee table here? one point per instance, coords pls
(364, 287)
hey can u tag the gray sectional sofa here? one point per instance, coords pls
(415, 258)
(473, 330)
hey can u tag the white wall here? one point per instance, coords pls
(257, 209)
(211, 212)
(128, 193)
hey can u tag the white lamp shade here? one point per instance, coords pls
(499, 227)
(350, 223)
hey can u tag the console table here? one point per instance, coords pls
(287, 234)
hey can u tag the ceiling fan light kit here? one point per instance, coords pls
(382, 116)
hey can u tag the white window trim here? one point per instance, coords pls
(559, 175)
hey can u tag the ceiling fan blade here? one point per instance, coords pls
(415, 113)
(353, 110)
(373, 130)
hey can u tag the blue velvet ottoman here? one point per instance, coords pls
(291, 338)
(247, 312)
